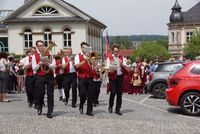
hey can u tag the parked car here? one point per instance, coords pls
(158, 79)
(184, 88)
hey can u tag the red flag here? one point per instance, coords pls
(107, 46)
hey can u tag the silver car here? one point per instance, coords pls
(158, 79)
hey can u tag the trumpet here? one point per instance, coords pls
(93, 56)
(71, 58)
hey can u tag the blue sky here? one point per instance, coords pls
(124, 17)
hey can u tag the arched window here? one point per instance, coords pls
(67, 37)
(28, 39)
(3, 44)
(47, 36)
(46, 10)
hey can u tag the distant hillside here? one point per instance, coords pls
(147, 37)
(128, 41)
(143, 37)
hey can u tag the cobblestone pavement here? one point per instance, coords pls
(142, 114)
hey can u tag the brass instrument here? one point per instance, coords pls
(93, 55)
(93, 59)
(45, 58)
(62, 53)
(71, 58)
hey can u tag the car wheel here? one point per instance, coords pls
(190, 103)
(159, 90)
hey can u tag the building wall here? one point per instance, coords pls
(79, 30)
(29, 12)
(16, 40)
(178, 39)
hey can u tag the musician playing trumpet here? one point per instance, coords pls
(70, 77)
(44, 78)
(85, 78)
(116, 65)
(96, 67)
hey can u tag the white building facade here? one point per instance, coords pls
(54, 20)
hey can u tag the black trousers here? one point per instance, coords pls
(96, 91)
(29, 85)
(116, 89)
(86, 93)
(11, 83)
(59, 80)
(70, 80)
(41, 83)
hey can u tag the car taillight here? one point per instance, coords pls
(150, 76)
(173, 82)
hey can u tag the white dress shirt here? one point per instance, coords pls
(77, 60)
(71, 65)
(36, 66)
(116, 59)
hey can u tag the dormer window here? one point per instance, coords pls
(46, 10)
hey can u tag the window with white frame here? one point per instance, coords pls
(67, 37)
(28, 39)
(46, 10)
(47, 36)
(188, 36)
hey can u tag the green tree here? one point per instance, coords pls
(151, 50)
(122, 41)
(192, 49)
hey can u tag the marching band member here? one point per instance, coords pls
(70, 77)
(116, 64)
(85, 78)
(96, 80)
(44, 77)
(59, 75)
(29, 74)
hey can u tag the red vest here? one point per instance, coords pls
(39, 71)
(29, 71)
(96, 76)
(66, 69)
(58, 68)
(85, 70)
(113, 75)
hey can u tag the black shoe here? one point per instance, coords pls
(81, 109)
(66, 102)
(49, 115)
(89, 114)
(110, 110)
(118, 112)
(64, 99)
(30, 105)
(39, 111)
(60, 98)
(74, 105)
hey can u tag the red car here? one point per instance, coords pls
(184, 88)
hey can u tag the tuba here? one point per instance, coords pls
(45, 56)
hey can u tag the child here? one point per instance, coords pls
(136, 82)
